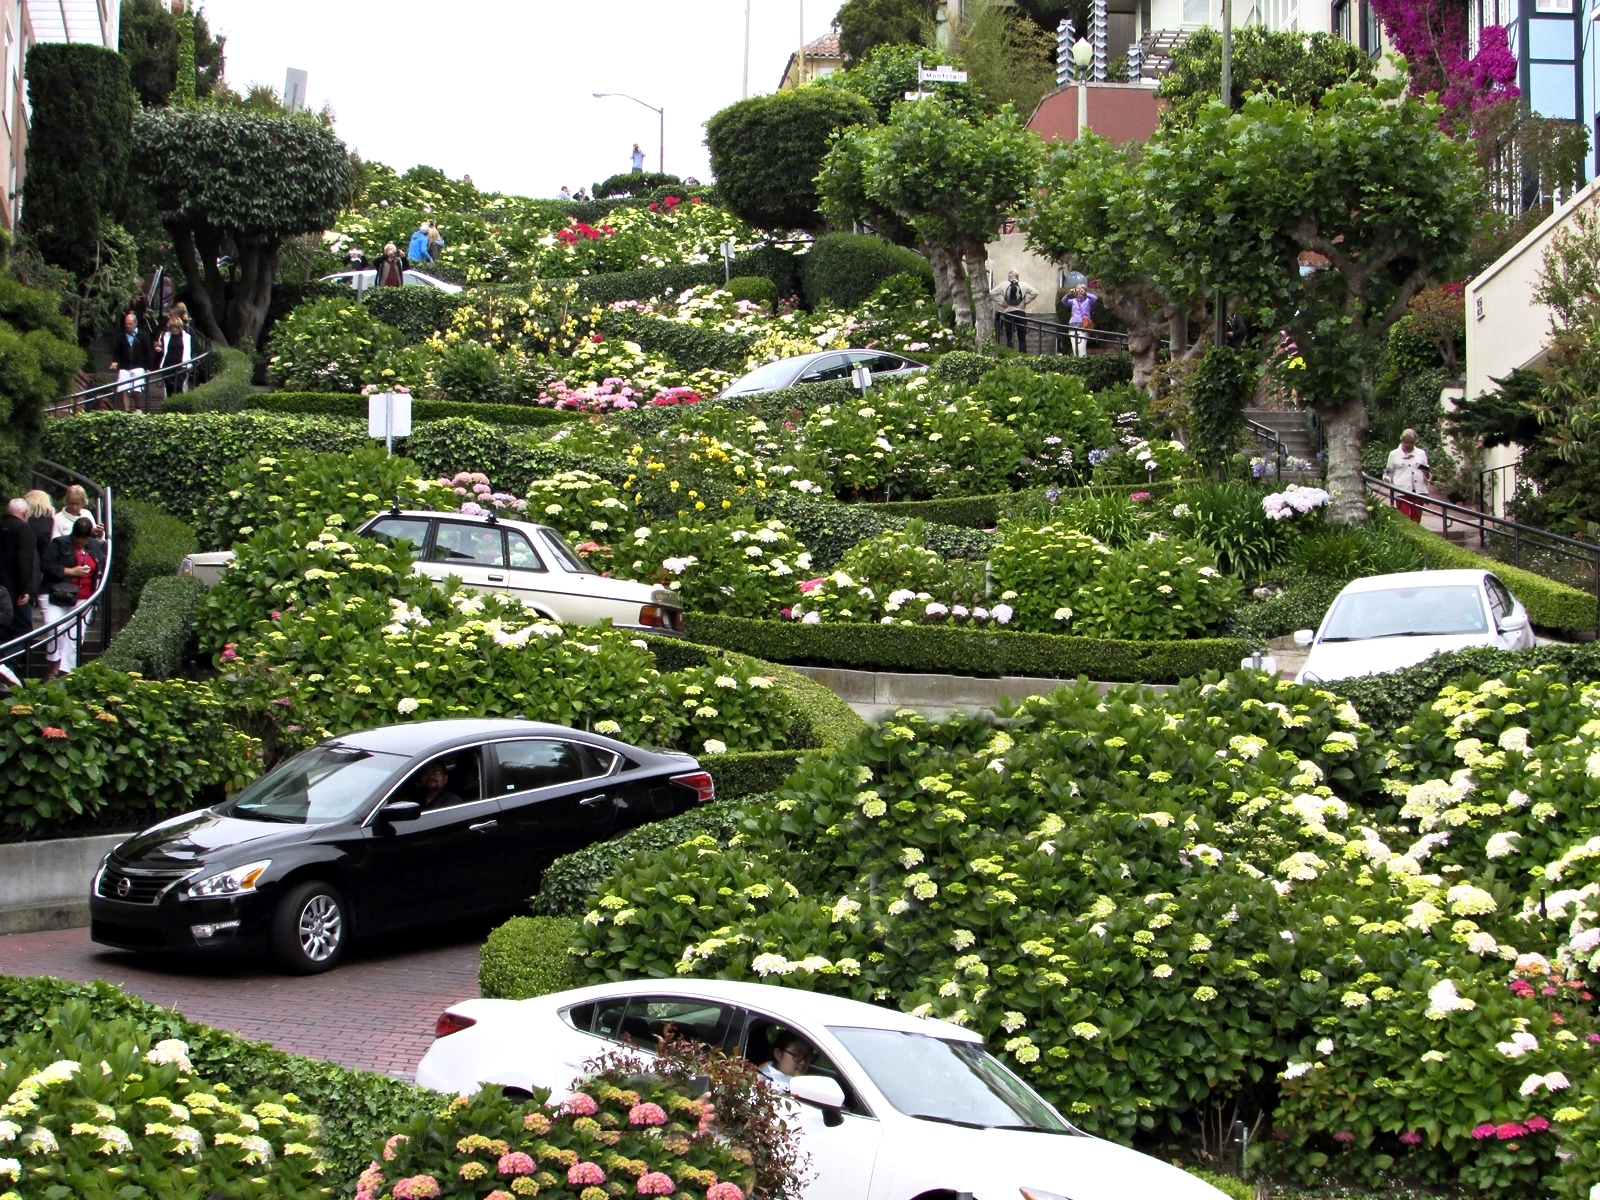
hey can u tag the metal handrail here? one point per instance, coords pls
(90, 397)
(74, 626)
(1049, 327)
(1492, 482)
(1270, 437)
(1523, 537)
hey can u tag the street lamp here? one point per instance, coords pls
(1082, 56)
(660, 112)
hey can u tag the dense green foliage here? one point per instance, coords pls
(845, 268)
(354, 407)
(527, 956)
(632, 183)
(1300, 68)
(148, 38)
(161, 635)
(81, 110)
(418, 312)
(38, 358)
(1216, 393)
(160, 542)
(767, 150)
(865, 25)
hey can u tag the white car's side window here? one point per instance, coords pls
(523, 556)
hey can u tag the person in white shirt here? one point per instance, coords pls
(1011, 300)
(791, 1055)
(1407, 471)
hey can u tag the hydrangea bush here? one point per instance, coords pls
(1151, 904)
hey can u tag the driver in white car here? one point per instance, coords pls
(791, 1055)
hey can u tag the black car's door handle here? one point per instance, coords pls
(591, 801)
(482, 826)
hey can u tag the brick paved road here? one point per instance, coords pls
(376, 1011)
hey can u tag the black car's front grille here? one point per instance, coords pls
(137, 886)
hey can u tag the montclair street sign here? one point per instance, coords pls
(941, 74)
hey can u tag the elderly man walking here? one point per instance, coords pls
(1407, 471)
(1011, 300)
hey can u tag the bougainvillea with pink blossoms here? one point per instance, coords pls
(1432, 34)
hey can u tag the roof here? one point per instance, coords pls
(826, 46)
(419, 737)
(89, 21)
(1404, 579)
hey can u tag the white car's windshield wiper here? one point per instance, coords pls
(1373, 637)
(1038, 1129)
(951, 1121)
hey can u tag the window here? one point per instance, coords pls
(1407, 612)
(1552, 6)
(833, 366)
(570, 562)
(390, 530)
(1499, 599)
(1550, 39)
(543, 762)
(523, 556)
(479, 545)
(649, 1022)
(328, 783)
(1196, 12)
(759, 1040)
(875, 362)
(446, 781)
(773, 375)
(7, 81)
(1552, 90)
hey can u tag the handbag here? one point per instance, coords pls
(64, 595)
(1086, 323)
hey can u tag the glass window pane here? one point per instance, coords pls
(446, 781)
(773, 375)
(835, 366)
(569, 561)
(1551, 90)
(539, 763)
(1196, 12)
(1552, 6)
(393, 529)
(328, 783)
(523, 556)
(476, 544)
(656, 1020)
(1407, 612)
(1550, 39)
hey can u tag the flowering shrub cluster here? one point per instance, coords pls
(1293, 501)
(894, 579)
(738, 565)
(1404, 939)
(95, 1110)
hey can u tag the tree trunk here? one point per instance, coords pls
(253, 292)
(944, 290)
(976, 261)
(1178, 330)
(950, 264)
(1344, 423)
(199, 275)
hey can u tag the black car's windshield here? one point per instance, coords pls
(1427, 611)
(326, 783)
(957, 1083)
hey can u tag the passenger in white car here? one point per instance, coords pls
(791, 1055)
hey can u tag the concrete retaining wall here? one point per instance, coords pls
(45, 885)
(874, 694)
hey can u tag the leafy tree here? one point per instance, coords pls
(1217, 391)
(1009, 59)
(864, 24)
(886, 73)
(766, 151)
(78, 148)
(945, 179)
(1570, 281)
(149, 40)
(38, 358)
(1297, 67)
(234, 185)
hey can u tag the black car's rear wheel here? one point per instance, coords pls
(310, 928)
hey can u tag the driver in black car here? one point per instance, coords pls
(433, 787)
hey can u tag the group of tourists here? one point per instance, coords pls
(51, 562)
(1011, 300)
(143, 344)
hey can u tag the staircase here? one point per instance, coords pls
(1295, 428)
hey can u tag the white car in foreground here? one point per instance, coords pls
(1386, 622)
(528, 561)
(894, 1107)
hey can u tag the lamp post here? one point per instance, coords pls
(745, 94)
(660, 112)
(1082, 56)
(1227, 98)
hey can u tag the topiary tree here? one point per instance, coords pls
(633, 183)
(235, 184)
(865, 24)
(845, 268)
(151, 39)
(38, 358)
(1217, 391)
(79, 142)
(766, 152)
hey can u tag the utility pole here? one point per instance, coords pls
(1227, 98)
(745, 95)
(800, 75)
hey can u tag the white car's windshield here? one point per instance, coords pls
(326, 783)
(773, 375)
(958, 1083)
(1428, 611)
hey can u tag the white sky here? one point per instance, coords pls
(502, 89)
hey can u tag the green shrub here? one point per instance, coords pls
(160, 543)
(1229, 1185)
(469, 372)
(97, 744)
(527, 956)
(1216, 393)
(843, 269)
(1098, 371)
(158, 639)
(1347, 552)
(354, 407)
(1301, 605)
(1550, 605)
(709, 564)
(254, 1143)
(1057, 419)
(632, 183)
(966, 651)
(417, 312)
(772, 262)
(967, 512)
(1229, 518)
(570, 880)
(363, 1107)
(179, 460)
(226, 391)
(331, 345)
(690, 347)
(755, 288)
(726, 705)
(41, 356)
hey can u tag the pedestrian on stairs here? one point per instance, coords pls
(1407, 471)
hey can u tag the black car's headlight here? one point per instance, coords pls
(235, 882)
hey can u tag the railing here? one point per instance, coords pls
(1055, 337)
(1271, 440)
(1495, 486)
(200, 368)
(1523, 542)
(88, 617)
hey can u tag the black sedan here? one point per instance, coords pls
(378, 831)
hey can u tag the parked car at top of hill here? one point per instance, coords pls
(1386, 622)
(364, 281)
(890, 1106)
(531, 562)
(386, 829)
(820, 368)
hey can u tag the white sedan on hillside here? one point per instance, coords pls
(891, 1107)
(518, 558)
(1386, 622)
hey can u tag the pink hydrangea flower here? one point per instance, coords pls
(647, 1114)
(1484, 1131)
(724, 1191)
(536, 1123)
(390, 1146)
(1411, 1138)
(1344, 1137)
(1536, 1124)
(371, 1179)
(1510, 1130)
(499, 1194)
(516, 1163)
(582, 1173)
(582, 1105)
(416, 1187)
(654, 1183)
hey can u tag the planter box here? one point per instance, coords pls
(45, 885)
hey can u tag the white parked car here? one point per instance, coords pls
(365, 281)
(820, 367)
(1386, 622)
(894, 1107)
(531, 562)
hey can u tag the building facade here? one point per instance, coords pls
(821, 57)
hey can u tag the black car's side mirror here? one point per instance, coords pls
(400, 810)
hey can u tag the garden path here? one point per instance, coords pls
(375, 1012)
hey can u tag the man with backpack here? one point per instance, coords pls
(1011, 301)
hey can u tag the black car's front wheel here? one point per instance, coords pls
(310, 928)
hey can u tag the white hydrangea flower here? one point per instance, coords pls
(1443, 999)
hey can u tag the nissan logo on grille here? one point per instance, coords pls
(123, 886)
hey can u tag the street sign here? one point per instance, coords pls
(862, 378)
(941, 75)
(389, 417)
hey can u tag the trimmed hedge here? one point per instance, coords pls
(1550, 605)
(345, 404)
(843, 269)
(360, 1108)
(632, 183)
(968, 512)
(572, 878)
(156, 642)
(690, 347)
(418, 312)
(1301, 605)
(226, 391)
(527, 956)
(967, 651)
(159, 542)
(829, 528)
(772, 262)
(1099, 371)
